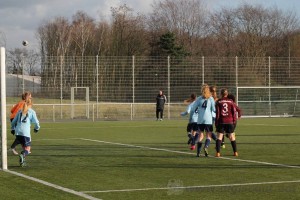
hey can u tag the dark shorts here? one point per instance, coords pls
(205, 127)
(225, 128)
(24, 141)
(192, 127)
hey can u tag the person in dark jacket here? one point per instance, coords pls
(161, 99)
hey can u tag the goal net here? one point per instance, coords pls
(275, 101)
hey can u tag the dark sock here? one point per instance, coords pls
(25, 153)
(223, 139)
(195, 139)
(207, 142)
(233, 144)
(218, 145)
(213, 136)
(14, 144)
(199, 145)
(190, 138)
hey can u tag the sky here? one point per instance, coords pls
(20, 19)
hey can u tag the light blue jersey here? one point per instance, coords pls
(21, 124)
(193, 118)
(206, 110)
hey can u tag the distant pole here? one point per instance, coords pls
(23, 82)
(202, 70)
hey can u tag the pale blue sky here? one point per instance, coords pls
(20, 19)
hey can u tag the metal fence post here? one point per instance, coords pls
(202, 70)
(236, 78)
(270, 104)
(169, 87)
(97, 86)
(133, 88)
(61, 85)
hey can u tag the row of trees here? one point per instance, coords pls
(176, 28)
(245, 31)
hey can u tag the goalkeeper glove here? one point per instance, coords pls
(35, 130)
(12, 132)
(183, 114)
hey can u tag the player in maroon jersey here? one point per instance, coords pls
(225, 120)
(238, 114)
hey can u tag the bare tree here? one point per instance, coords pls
(102, 38)
(186, 18)
(22, 60)
(224, 29)
(128, 32)
(55, 38)
(83, 33)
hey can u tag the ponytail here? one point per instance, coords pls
(26, 105)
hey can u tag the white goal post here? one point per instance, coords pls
(87, 100)
(3, 112)
(269, 101)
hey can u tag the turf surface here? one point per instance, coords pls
(151, 160)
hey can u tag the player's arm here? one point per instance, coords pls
(239, 111)
(233, 112)
(217, 113)
(15, 120)
(35, 121)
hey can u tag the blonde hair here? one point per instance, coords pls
(26, 106)
(205, 91)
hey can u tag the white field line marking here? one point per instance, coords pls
(275, 125)
(181, 152)
(81, 194)
(192, 187)
(111, 126)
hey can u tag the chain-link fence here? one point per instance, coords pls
(126, 87)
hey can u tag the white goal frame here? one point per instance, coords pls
(87, 97)
(269, 101)
(3, 111)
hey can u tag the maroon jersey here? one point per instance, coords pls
(238, 111)
(225, 111)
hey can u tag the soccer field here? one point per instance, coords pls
(151, 160)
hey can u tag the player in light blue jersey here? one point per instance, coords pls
(20, 126)
(192, 124)
(205, 105)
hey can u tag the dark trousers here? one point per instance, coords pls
(161, 112)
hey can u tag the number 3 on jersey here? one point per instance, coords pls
(225, 109)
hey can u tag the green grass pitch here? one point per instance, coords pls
(151, 160)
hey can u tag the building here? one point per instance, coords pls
(14, 84)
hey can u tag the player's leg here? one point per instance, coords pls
(223, 142)
(26, 150)
(207, 143)
(13, 146)
(199, 143)
(213, 136)
(233, 143)
(189, 133)
(161, 114)
(218, 144)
